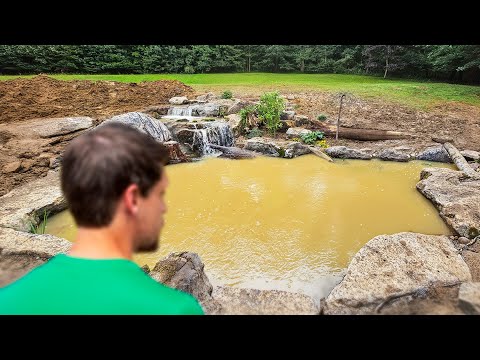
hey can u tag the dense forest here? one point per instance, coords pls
(455, 63)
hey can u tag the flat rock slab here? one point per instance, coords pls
(51, 127)
(391, 266)
(236, 301)
(24, 205)
(456, 197)
(20, 252)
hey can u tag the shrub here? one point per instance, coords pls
(255, 132)
(269, 109)
(189, 69)
(227, 94)
(322, 117)
(312, 137)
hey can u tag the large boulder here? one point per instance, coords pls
(469, 297)
(295, 149)
(175, 153)
(184, 271)
(389, 267)
(456, 197)
(237, 106)
(265, 147)
(393, 155)
(470, 155)
(436, 153)
(20, 252)
(143, 122)
(342, 152)
(237, 301)
(24, 206)
(234, 121)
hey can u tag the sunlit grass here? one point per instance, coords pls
(421, 94)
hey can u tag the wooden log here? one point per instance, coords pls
(362, 134)
(460, 161)
(234, 152)
(320, 153)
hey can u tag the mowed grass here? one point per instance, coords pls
(421, 94)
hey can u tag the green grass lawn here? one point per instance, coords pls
(421, 94)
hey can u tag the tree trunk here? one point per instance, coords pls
(386, 68)
(362, 134)
(302, 66)
(320, 153)
(234, 152)
(460, 161)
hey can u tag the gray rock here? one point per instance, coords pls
(391, 266)
(207, 97)
(51, 127)
(437, 153)
(237, 106)
(24, 205)
(393, 155)
(296, 149)
(234, 122)
(235, 301)
(287, 115)
(263, 146)
(20, 252)
(470, 155)
(301, 120)
(342, 152)
(184, 271)
(469, 298)
(463, 240)
(143, 122)
(457, 198)
(178, 100)
(54, 162)
(297, 132)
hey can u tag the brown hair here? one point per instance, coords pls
(100, 164)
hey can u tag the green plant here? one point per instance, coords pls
(255, 132)
(247, 118)
(222, 111)
(209, 119)
(322, 117)
(269, 109)
(311, 137)
(227, 94)
(40, 228)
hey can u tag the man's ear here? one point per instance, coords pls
(130, 198)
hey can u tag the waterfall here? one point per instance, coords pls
(180, 111)
(218, 133)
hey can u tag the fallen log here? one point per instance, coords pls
(320, 153)
(234, 152)
(460, 161)
(362, 134)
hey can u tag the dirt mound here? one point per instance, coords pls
(42, 96)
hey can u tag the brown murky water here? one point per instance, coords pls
(292, 225)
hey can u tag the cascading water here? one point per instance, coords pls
(180, 111)
(218, 133)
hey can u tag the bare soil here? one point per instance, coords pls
(24, 156)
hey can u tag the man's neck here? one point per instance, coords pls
(101, 243)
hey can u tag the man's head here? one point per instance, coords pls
(116, 170)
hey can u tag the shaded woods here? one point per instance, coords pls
(454, 63)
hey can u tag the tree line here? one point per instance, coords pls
(455, 63)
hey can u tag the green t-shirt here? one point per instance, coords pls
(70, 285)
